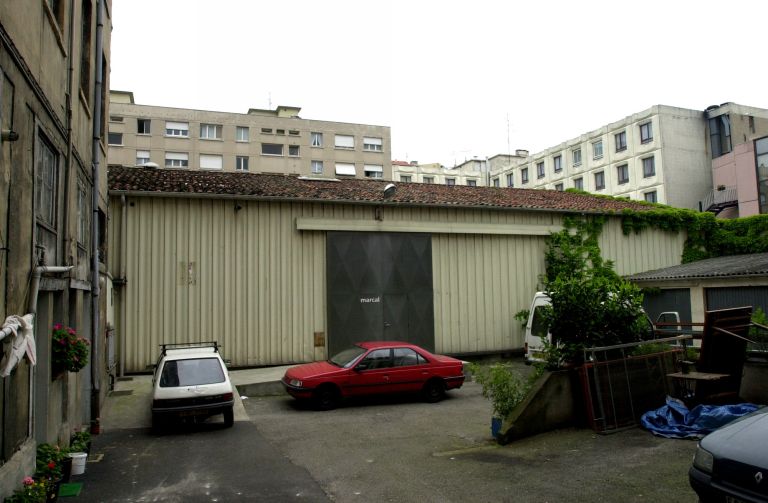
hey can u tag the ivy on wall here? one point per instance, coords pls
(590, 304)
(577, 250)
(707, 236)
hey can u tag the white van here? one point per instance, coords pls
(536, 328)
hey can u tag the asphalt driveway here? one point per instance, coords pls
(403, 450)
(201, 463)
(395, 449)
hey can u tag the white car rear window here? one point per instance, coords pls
(192, 372)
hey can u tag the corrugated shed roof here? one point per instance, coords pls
(720, 267)
(292, 187)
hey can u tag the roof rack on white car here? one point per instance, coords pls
(187, 345)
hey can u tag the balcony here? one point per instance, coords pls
(719, 199)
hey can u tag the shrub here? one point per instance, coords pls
(503, 386)
(591, 305)
(759, 335)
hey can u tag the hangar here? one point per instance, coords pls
(283, 268)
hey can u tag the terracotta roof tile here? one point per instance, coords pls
(293, 187)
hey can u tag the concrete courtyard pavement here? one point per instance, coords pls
(205, 463)
(387, 449)
(404, 450)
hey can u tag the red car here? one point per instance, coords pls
(371, 368)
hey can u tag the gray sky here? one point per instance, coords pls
(453, 79)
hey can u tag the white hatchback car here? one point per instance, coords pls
(191, 381)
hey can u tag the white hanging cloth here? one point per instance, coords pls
(20, 343)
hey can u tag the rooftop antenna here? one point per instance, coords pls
(509, 146)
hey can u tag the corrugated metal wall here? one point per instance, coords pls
(649, 250)
(198, 269)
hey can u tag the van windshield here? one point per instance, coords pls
(538, 323)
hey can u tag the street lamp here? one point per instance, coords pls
(389, 191)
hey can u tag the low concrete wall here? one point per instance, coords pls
(753, 383)
(549, 405)
(13, 471)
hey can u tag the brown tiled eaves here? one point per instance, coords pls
(733, 266)
(179, 182)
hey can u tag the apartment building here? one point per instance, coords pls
(713, 160)
(657, 155)
(473, 173)
(54, 69)
(435, 173)
(260, 141)
(738, 141)
(705, 161)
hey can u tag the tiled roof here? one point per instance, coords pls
(355, 190)
(755, 264)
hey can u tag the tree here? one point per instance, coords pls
(591, 304)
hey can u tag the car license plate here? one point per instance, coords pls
(188, 413)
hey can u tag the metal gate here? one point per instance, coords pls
(379, 288)
(620, 383)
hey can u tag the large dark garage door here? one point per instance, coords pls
(379, 288)
(673, 299)
(723, 298)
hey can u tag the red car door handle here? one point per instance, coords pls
(386, 378)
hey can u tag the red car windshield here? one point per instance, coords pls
(346, 358)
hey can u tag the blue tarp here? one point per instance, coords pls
(674, 420)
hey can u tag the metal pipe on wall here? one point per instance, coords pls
(34, 288)
(123, 256)
(95, 285)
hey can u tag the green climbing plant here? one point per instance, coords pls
(707, 236)
(591, 305)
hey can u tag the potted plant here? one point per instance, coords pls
(69, 352)
(32, 491)
(503, 386)
(80, 442)
(49, 464)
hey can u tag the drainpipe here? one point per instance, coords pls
(123, 256)
(95, 286)
(34, 288)
(70, 143)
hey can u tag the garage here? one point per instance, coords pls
(725, 297)
(715, 283)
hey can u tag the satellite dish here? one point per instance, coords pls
(389, 190)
